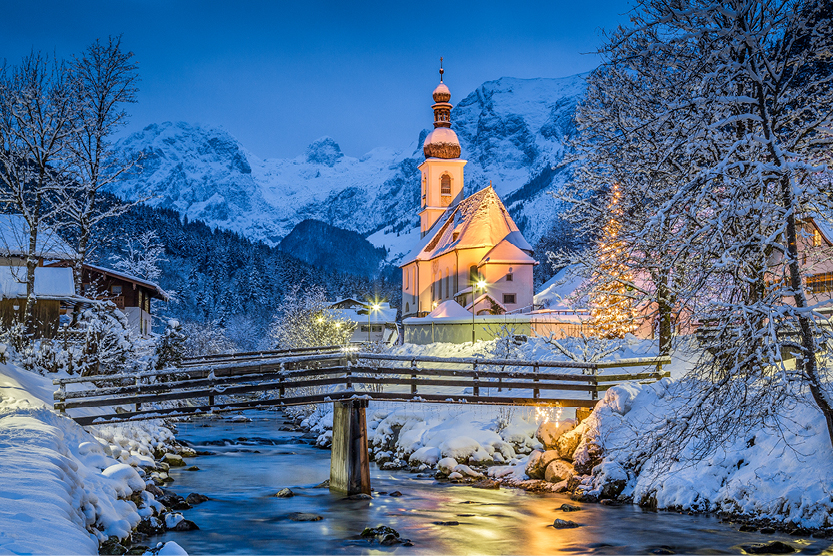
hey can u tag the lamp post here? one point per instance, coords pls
(480, 285)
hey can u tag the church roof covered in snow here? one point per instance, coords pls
(480, 220)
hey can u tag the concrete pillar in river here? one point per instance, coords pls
(349, 460)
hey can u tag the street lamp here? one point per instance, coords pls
(480, 285)
(375, 309)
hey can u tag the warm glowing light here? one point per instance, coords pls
(375, 306)
(434, 305)
(320, 320)
(481, 284)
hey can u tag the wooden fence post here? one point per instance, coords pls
(476, 388)
(413, 377)
(211, 387)
(536, 393)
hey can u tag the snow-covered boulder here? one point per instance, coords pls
(559, 470)
(446, 466)
(461, 448)
(610, 478)
(549, 431)
(428, 455)
(569, 441)
(538, 461)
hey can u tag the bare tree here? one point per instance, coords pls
(143, 256)
(37, 111)
(106, 80)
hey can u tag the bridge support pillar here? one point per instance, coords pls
(349, 460)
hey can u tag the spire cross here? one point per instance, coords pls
(441, 69)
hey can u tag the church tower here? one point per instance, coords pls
(442, 171)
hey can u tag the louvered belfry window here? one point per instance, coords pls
(445, 185)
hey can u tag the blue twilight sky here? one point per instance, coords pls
(277, 74)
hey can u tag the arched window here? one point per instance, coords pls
(447, 287)
(445, 185)
(473, 275)
(407, 308)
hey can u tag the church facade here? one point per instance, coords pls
(471, 251)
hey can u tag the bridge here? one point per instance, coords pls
(349, 379)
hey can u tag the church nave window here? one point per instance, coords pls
(445, 185)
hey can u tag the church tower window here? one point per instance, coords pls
(445, 185)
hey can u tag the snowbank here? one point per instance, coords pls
(61, 488)
(783, 477)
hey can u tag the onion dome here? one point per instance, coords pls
(441, 93)
(442, 142)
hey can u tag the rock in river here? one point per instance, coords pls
(195, 498)
(564, 524)
(773, 547)
(285, 493)
(301, 516)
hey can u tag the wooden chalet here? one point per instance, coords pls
(130, 294)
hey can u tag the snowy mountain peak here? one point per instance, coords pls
(512, 132)
(324, 151)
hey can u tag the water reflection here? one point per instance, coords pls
(254, 460)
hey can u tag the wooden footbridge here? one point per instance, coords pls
(347, 378)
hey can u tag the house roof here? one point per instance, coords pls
(158, 292)
(50, 282)
(449, 309)
(14, 240)
(563, 291)
(479, 220)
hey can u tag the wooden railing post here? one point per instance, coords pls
(348, 376)
(413, 376)
(281, 388)
(536, 393)
(211, 378)
(476, 388)
(61, 397)
(138, 383)
(595, 383)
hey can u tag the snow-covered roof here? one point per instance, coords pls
(824, 227)
(14, 240)
(562, 291)
(160, 293)
(380, 316)
(449, 309)
(506, 252)
(50, 282)
(484, 296)
(479, 220)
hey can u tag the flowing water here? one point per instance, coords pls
(253, 460)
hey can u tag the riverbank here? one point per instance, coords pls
(65, 490)
(773, 474)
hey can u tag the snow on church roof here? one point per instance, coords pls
(479, 220)
(506, 252)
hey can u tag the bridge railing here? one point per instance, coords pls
(304, 379)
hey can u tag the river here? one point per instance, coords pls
(253, 460)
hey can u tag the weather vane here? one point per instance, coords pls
(441, 69)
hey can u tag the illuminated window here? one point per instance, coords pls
(816, 238)
(445, 185)
(820, 283)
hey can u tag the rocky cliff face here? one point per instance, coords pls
(512, 133)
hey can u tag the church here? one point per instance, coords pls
(471, 251)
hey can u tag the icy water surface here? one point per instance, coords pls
(254, 460)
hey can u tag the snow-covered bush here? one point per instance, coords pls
(304, 319)
(170, 348)
(109, 346)
(205, 338)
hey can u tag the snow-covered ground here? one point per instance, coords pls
(62, 489)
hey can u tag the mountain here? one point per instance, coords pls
(512, 132)
(325, 246)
